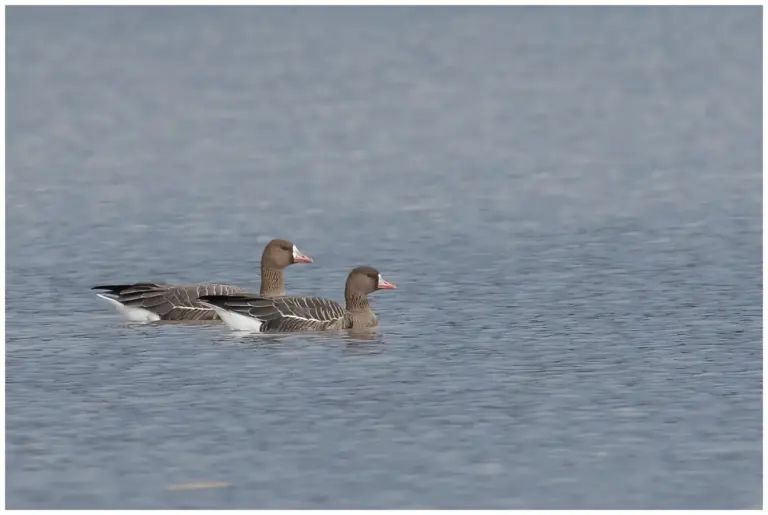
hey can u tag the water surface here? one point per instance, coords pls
(567, 198)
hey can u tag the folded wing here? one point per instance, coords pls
(283, 314)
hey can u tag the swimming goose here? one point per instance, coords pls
(250, 312)
(149, 302)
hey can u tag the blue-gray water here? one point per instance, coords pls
(569, 200)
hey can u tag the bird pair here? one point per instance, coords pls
(269, 311)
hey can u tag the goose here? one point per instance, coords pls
(150, 302)
(250, 312)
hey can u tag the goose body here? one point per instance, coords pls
(150, 302)
(251, 312)
(248, 312)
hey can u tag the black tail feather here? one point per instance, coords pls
(116, 289)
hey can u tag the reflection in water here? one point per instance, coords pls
(356, 343)
(241, 337)
(359, 343)
(369, 335)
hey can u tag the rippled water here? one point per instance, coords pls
(567, 198)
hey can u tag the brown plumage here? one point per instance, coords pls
(152, 301)
(296, 314)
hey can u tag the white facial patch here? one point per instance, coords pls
(296, 252)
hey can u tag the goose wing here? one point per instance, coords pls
(283, 314)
